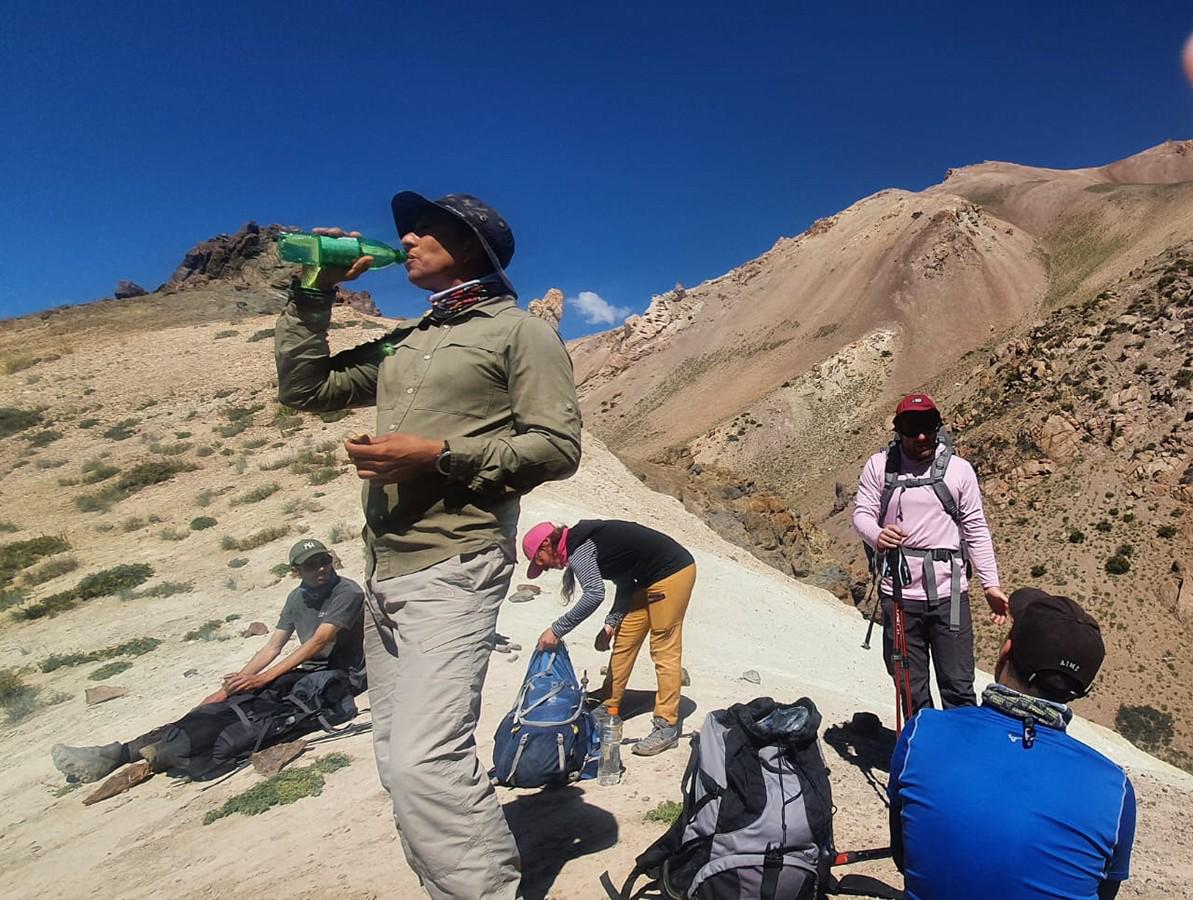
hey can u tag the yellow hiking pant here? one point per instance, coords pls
(662, 619)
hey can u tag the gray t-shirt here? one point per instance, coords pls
(341, 604)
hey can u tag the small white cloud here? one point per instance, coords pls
(596, 310)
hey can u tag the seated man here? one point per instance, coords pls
(317, 679)
(997, 800)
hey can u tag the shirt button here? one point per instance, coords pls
(409, 390)
(426, 356)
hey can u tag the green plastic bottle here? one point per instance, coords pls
(318, 251)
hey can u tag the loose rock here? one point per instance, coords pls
(103, 694)
(256, 628)
(126, 778)
(520, 597)
(751, 676)
(529, 589)
(273, 759)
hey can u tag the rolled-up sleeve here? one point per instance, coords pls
(545, 415)
(309, 376)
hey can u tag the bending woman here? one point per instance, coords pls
(654, 576)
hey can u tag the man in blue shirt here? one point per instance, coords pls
(997, 801)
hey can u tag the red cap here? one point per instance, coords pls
(916, 403)
(531, 543)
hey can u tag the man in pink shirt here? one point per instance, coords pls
(919, 507)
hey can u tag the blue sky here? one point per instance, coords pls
(630, 146)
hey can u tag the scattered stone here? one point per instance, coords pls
(255, 628)
(529, 589)
(604, 670)
(190, 673)
(513, 657)
(686, 679)
(751, 676)
(520, 597)
(273, 759)
(103, 694)
(128, 777)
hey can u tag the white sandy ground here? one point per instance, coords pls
(151, 841)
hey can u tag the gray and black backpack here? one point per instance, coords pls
(757, 811)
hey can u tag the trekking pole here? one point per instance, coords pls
(875, 575)
(901, 672)
(849, 857)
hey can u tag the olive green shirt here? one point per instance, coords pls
(495, 382)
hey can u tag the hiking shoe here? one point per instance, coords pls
(87, 763)
(663, 737)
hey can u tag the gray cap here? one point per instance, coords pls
(485, 223)
(305, 549)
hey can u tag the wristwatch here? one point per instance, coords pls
(443, 462)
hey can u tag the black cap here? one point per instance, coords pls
(1054, 634)
(482, 220)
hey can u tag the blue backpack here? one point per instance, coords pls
(548, 739)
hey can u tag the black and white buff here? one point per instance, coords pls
(447, 304)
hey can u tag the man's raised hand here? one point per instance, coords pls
(330, 276)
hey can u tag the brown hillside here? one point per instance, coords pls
(754, 397)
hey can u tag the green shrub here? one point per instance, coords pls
(257, 494)
(48, 607)
(280, 570)
(1118, 565)
(42, 438)
(1144, 726)
(50, 570)
(334, 415)
(164, 589)
(137, 478)
(256, 539)
(13, 420)
(96, 470)
(1166, 531)
(88, 423)
(173, 534)
(7, 527)
(205, 451)
(9, 599)
(122, 431)
(107, 670)
(228, 333)
(238, 563)
(1038, 570)
(233, 428)
(169, 449)
(322, 476)
(1076, 536)
(205, 632)
(19, 699)
(1125, 550)
(113, 580)
(22, 554)
(666, 812)
(262, 335)
(199, 523)
(136, 647)
(1103, 526)
(281, 789)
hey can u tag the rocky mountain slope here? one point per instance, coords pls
(754, 397)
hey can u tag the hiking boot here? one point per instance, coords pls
(663, 737)
(87, 763)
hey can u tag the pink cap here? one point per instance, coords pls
(532, 542)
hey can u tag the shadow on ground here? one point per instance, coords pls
(553, 827)
(866, 743)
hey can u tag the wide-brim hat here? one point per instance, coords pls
(485, 223)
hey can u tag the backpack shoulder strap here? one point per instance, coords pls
(890, 479)
(940, 465)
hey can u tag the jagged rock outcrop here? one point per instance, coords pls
(549, 308)
(126, 289)
(247, 261)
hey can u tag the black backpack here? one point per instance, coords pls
(213, 739)
(757, 818)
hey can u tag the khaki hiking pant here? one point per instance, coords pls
(662, 619)
(427, 646)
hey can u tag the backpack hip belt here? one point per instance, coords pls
(956, 559)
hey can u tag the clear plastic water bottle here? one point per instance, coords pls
(609, 769)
